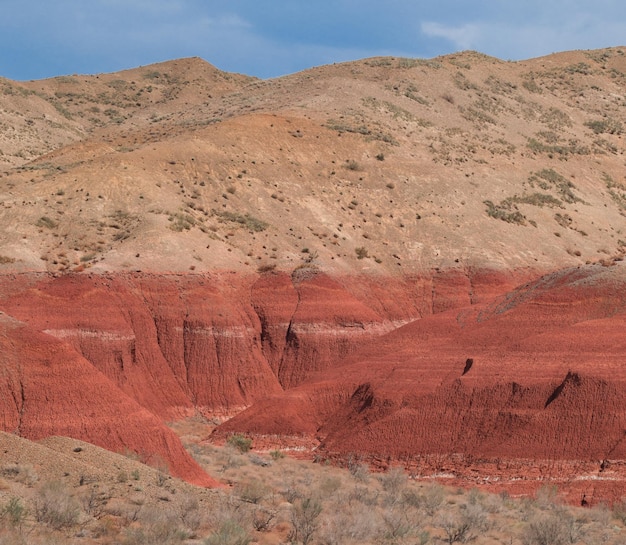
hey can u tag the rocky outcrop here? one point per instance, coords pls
(48, 389)
(536, 374)
(170, 345)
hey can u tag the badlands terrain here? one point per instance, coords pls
(404, 262)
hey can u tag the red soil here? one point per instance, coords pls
(506, 390)
(48, 389)
(528, 387)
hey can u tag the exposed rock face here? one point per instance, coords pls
(457, 373)
(536, 374)
(48, 389)
(174, 344)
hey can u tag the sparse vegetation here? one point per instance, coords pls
(605, 126)
(505, 211)
(45, 221)
(249, 222)
(616, 190)
(181, 222)
(550, 179)
(239, 442)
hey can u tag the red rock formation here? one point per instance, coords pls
(219, 343)
(48, 389)
(536, 375)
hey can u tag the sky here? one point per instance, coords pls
(270, 38)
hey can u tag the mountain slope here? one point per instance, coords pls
(341, 238)
(380, 165)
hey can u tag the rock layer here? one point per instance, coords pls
(537, 374)
(49, 389)
(176, 344)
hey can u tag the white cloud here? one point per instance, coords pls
(465, 36)
(526, 39)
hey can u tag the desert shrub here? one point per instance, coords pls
(398, 524)
(263, 519)
(547, 495)
(14, 512)
(239, 442)
(363, 495)
(277, 455)
(266, 267)
(554, 528)
(619, 510)
(250, 222)
(251, 490)
(360, 472)
(189, 513)
(55, 507)
(609, 126)
(428, 501)
(45, 221)
(94, 501)
(361, 252)
(329, 486)
(456, 527)
(304, 520)
(259, 460)
(353, 165)
(503, 212)
(156, 526)
(181, 221)
(229, 533)
(21, 473)
(394, 482)
(352, 525)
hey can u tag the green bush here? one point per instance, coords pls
(361, 252)
(240, 442)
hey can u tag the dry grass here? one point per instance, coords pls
(272, 498)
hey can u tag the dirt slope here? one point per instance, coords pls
(381, 166)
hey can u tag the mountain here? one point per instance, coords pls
(209, 242)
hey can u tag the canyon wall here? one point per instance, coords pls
(165, 346)
(528, 387)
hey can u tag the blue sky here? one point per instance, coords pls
(43, 38)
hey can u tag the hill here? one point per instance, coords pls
(204, 243)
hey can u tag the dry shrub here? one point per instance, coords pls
(352, 524)
(156, 526)
(428, 501)
(394, 483)
(251, 490)
(55, 507)
(189, 513)
(329, 486)
(545, 529)
(398, 523)
(364, 495)
(21, 473)
(229, 508)
(304, 520)
(229, 533)
(456, 527)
